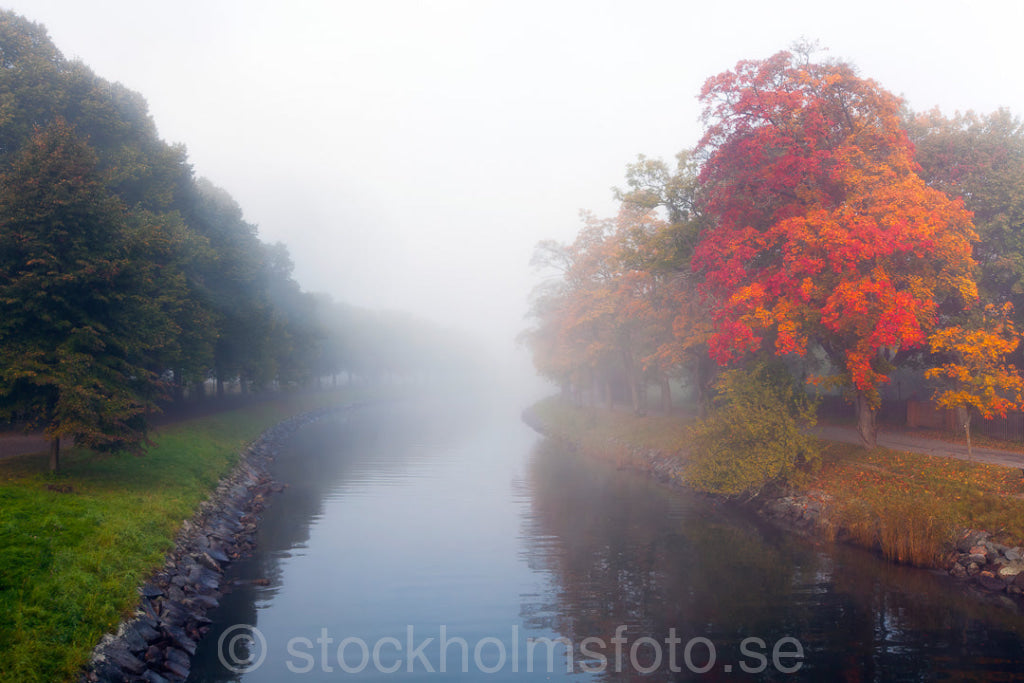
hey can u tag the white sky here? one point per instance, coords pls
(410, 154)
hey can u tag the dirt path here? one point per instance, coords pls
(13, 444)
(22, 444)
(913, 443)
(16, 443)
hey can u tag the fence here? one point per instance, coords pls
(916, 414)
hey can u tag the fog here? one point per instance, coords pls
(410, 154)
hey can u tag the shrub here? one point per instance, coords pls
(755, 434)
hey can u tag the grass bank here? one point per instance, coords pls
(911, 507)
(75, 546)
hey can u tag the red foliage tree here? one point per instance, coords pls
(823, 231)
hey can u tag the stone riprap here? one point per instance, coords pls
(157, 643)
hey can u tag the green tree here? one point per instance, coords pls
(296, 333)
(150, 177)
(170, 258)
(980, 159)
(233, 287)
(31, 69)
(78, 324)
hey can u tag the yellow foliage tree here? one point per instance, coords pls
(975, 375)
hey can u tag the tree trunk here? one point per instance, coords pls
(55, 454)
(179, 386)
(867, 426)
(634, 385)
(703, 378)
(666, 396)
(967, 430)
(609, 400)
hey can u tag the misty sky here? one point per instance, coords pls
(410, 154)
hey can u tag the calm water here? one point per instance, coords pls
(418, 544)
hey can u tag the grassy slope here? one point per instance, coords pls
(912, 505)
(70, 562)
(909, 505)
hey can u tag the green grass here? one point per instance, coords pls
(75, 546)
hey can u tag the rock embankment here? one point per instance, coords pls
(993, 566)
(156, 645)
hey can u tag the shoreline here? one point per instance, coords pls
(993, 571)
(156, 643)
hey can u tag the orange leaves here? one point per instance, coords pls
(610, 303)
(974, 374)
(817, 232)
(823, 230)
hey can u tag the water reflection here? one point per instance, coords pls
(400, 521)
(321, 464)
(629, 552)
(416, 516)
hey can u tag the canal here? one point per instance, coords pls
(418, 541)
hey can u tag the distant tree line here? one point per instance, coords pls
(126, 281)
(817, 220)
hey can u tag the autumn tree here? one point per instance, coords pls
(980, 159)
(580, 329)
(663, 249)
(78, 320)
(824, 234)
(608, 319)
(623, 309)
(973, 373)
